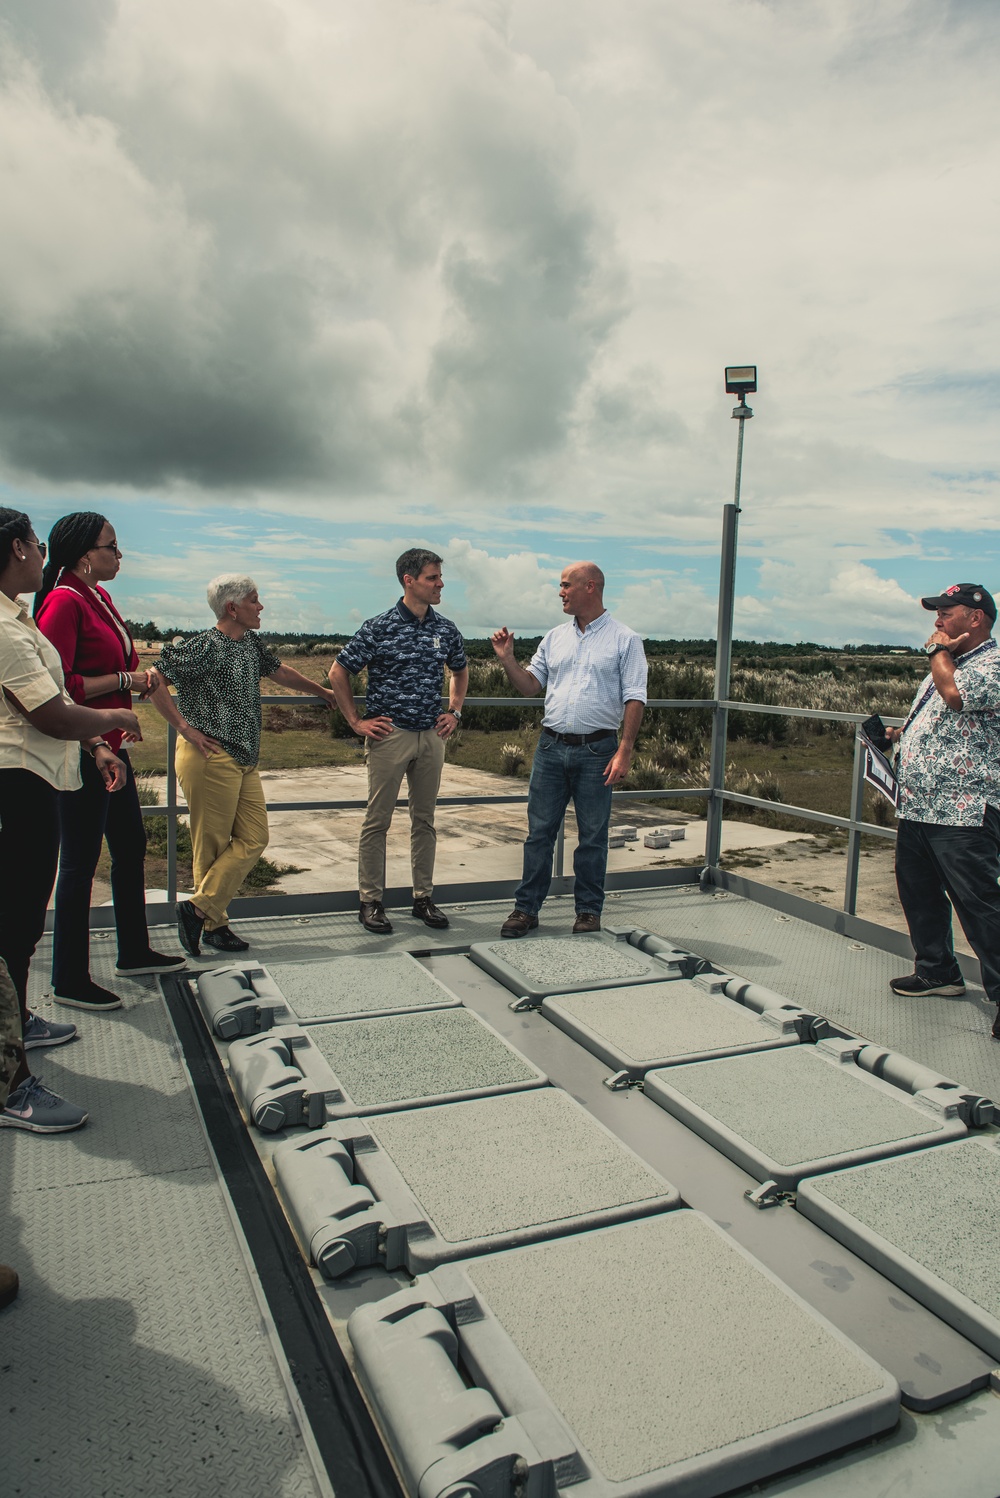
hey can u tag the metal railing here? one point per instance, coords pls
(715, 794)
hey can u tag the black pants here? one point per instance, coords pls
(29, 849)
(935, 862)
(86, 818)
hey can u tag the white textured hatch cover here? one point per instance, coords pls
(358, 985)
(496, 1165)
(930, 1221)
(663, 1342)
(411, 1056)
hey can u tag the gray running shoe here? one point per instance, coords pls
(40, 1031)
(32, 1106)
(913, 986)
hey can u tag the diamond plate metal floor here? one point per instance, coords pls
(135, 1359)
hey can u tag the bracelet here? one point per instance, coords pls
(124, 681)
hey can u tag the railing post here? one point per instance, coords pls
(723, 664)
(854, 835)
(559, 853)
(171, 814)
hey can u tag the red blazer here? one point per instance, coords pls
(88, 641)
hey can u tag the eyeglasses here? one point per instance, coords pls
(108, 546)
(34, 541)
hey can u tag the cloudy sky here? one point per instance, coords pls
(289, 285)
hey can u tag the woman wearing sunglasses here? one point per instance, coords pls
(41, 730)
(75, 612)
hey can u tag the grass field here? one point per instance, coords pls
(799, 762)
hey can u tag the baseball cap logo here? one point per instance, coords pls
(955, 588)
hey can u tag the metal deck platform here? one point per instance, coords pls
(167, 1341)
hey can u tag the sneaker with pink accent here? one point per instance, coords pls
(32, 1106)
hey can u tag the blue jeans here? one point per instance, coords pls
(562, 773)
(935, 862)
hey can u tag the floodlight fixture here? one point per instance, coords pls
(741, 379)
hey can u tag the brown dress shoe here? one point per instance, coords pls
(425, 910)
(586, 920)
(373, 918)
(518, 923)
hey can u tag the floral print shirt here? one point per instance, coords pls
(949, 762)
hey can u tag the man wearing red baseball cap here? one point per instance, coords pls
(948, 838)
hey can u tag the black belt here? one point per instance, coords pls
(580, 738)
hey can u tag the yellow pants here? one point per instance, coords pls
(420, 757)
(228, 826)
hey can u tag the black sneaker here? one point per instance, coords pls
(89, 996)
(149, 962)
(189, 924)
(913, 986)
(224, 940)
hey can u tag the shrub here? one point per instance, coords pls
(511, 758)
(645, 775)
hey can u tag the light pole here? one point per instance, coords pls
(741, 380)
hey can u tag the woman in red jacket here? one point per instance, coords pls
(101, 668)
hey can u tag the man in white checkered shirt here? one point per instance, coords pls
(593, 672)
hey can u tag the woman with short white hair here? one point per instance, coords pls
(217, 715)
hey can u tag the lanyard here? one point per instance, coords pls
(929, 693)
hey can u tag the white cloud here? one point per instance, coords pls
(472, 269)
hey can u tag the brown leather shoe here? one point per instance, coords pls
(374, 919)
(8, 1285)
(586, 920)
(518, 923)
(425, 910)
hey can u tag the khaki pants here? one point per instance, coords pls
(228, 826)
(420, 757)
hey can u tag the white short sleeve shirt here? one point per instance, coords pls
(30, 668)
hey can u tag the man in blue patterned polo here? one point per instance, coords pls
(948, 838)
(405, 650)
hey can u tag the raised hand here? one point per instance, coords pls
(503, 642)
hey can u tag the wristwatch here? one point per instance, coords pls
(933, 649)
(101, 744)
(455, 713)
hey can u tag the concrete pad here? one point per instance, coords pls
(475, 843)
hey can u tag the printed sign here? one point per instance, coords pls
(879, 773)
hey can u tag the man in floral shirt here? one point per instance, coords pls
(948, 842)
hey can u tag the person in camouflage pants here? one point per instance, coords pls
(13, 1067)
